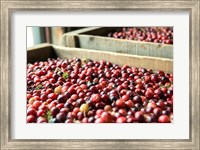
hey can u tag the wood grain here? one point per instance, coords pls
(116, 58)
(40, 53)
(53, 51)
(95, 38)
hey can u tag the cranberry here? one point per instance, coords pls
(52, 96)
(106, 117)
(159, 92)
(40, 113)
(99, 112)
(148, 34)
(30, 119)
(149, 119)
(36, 104)
(137, 99)
(64, 110)
(31, 111)
(98, 120)
(71, 90)
(129, 104)
(164, 119)
(43, 97)
(149, 94)
(139, 116)
(96, 98)
(121, 120)
(120, 103)
(75, 91)
(107, 108)
(61, 99)
(122, 112)
(84, 108)
(85, 120)
(42, 120)
(125, 97)
(91, 119)
(54, 111)
(80, 115)
(157, 111)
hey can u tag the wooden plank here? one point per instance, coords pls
(71, 38)
(124, 46)
(84, 39)
(56, 35)
(40, 53)
(44, 51)
(71, 41)
(84, 30)
(117, 58)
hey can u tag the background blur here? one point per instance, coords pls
(37, 35)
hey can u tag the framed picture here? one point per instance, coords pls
(17, 16)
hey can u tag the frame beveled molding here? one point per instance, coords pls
(8, 7)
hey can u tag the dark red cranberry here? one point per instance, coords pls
(157, 111)
(54, 111)
(137, 99)
(139, 116)
(61, 117)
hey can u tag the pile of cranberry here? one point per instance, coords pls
(87, 91)
(147, 34)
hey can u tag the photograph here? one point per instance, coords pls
(99, 74)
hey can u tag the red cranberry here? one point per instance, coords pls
(95, 98)
(54, 111)
(41, 113)
(52, 96)
(121, 120)
(106, 117)
(85, 120)
(157, 111)
(98, 120)
(120, 103)
(107, 108)
(137, 99)
(159, 92)
(164, 119)
(42, 120)
(139, 116)
(30, 119)
(31, 111)
(99, 112)
(36, 104)
(129, 104)
(137, 94)
(122, 112)
(149, 94)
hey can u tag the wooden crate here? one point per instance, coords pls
(44, 51)
(96, 38)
